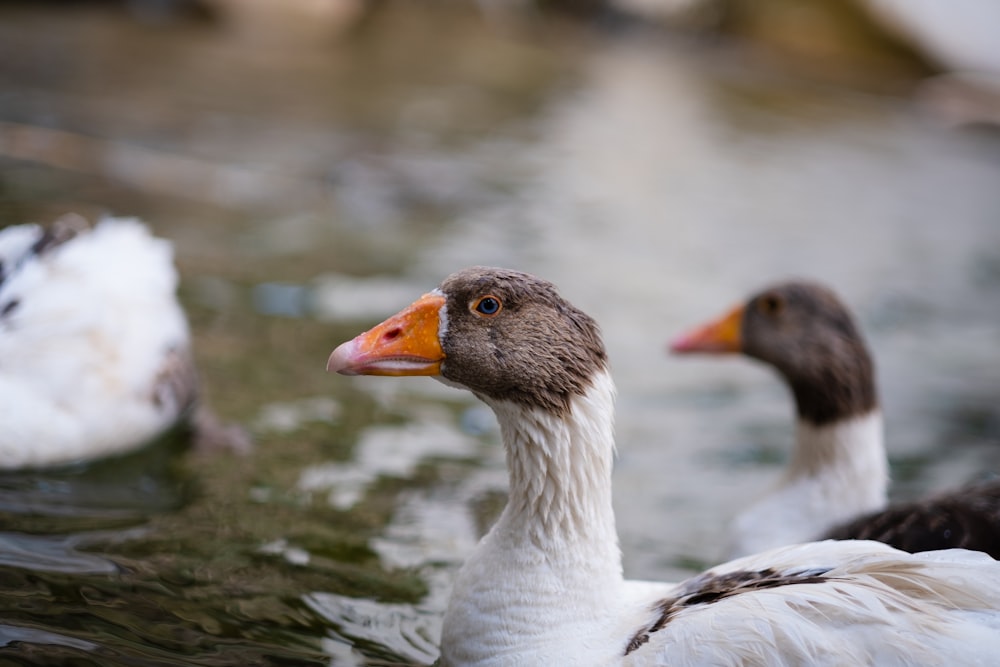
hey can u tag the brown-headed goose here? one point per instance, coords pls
(94, 347)
(838, 471)
(545, 585)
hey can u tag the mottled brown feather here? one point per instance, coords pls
(710, 587)
(968, 518)
(538, 350)
(175, 389)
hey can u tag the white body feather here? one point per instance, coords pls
(91, 330)
(880, 607)
(837, 472)
(545, 585)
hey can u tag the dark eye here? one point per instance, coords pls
(487, 305)
(771, 304)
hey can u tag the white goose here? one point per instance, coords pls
(545, 585)
(94, 347)
(838, 471)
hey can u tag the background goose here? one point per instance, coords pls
(838, 470)
(94, 347)
(545, 585)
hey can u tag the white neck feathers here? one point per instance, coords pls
(851, 450)
(550, 568)
(560, 467)
(837, 471)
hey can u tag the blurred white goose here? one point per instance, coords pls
(838, 471)
(94, 347)
(545, 585)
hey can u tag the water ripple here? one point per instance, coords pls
(406, 631)
(55, 553)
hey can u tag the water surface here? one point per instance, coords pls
(311, 189)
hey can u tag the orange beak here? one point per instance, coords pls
(720, 336)
(405, 344)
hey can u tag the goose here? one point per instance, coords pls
(836, 481)
(94, 347)
(545, 585)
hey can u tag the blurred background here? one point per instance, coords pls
(318, 164)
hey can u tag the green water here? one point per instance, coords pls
(312, 186)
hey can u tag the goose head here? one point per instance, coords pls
(504, 335)
(804, 332)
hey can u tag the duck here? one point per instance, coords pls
(95, 349)
(835, 484)
(545, 584)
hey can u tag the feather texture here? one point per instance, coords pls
(545, 585)
(836, 482)
(94, 347)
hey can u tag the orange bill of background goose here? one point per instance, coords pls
(545, 585)
(94, 347)
(835, 484)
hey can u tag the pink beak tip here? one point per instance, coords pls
(679, 344)
(340, 359)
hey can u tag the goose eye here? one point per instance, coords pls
(487, 305)
(771, 304)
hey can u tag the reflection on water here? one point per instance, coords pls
(395, 629)
(385, 451)
(311, 191)
(55, 553)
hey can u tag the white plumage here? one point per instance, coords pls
(835, 483)
(837, 472)
(875, 606)
(94, 347)
(545, 585)
(561, 598)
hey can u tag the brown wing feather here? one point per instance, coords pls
(968, 518)
(175, 388)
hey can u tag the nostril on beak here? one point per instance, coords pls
(392, 334)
